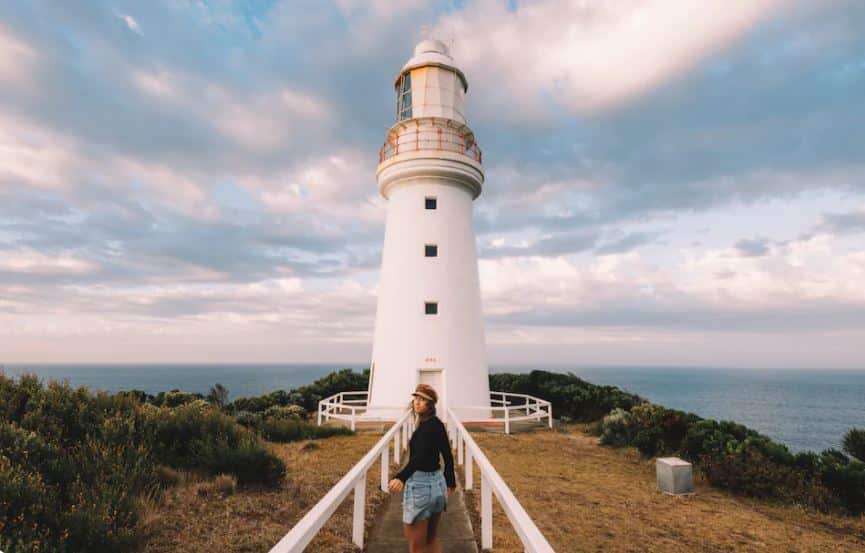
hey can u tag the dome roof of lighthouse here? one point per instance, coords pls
(435, 53)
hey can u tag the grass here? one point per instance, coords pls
(254, 520)
(585, 497)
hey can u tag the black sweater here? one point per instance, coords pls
(428, 440)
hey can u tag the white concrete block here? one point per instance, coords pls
(674, 476)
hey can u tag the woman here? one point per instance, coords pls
(421, 480)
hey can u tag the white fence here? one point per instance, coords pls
(505, 408)
(468, 453)
(306, 529)
(351, 405)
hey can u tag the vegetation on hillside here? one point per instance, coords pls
(730, 455)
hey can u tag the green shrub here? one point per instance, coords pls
(249, 461)
(846, 480)
(290, 430)
(571, 397)
(746, 468)
(248, 419)
(198, 437)
(854, 443)
(616, 429)
(74, 465)
(295, 412)
(175, 398)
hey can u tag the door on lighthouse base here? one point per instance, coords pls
(436, 379)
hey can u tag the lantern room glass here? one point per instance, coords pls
(403, 109)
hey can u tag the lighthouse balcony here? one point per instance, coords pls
(430, 135)
(507, 412)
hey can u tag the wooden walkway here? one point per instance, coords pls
(455, 528)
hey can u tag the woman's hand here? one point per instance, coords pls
(395, 485)
(451, 491)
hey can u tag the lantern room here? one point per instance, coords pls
(430, 85)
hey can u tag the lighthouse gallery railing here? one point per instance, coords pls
(430, 139)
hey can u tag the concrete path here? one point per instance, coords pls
(455, 528)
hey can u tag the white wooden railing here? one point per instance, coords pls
(306, 529)
(505, 408)
(344, 406)
(468, 453)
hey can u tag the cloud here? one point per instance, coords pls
(754, 247)
(36, 263)
(843, 223)
(263, 121)
(589, 56)
(18, 61)
(131, 23)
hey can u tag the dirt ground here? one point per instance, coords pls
(585, 497)
(255, 520)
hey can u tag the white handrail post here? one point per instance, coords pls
(396, 447)
(486, 513)
(384, 469)
(352, 419)
(550, 413)
(461, 444)
(507, 420)
(359, 511)
(468, 469)
(319, 413)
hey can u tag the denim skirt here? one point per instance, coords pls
(424, 493)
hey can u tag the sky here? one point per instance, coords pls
(668, 183)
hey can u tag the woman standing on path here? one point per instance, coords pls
(421, 481)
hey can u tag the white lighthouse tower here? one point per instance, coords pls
(429, 324)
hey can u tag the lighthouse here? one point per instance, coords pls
(429, 322)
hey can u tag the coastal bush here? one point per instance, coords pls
(571, 397)
(248, 419)
(616, 429)
(308, 396)
(295, 412)
(249, 461)
(74, 466)
(854, 443)
(343, 380)
(289, 430)
(174, 398)
(195, 436)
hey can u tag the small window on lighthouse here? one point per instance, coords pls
(403, 100)
(431, 250)
(430, 202)
(431, 307)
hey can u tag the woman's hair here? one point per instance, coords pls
(428, 414)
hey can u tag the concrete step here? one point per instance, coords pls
(454, 532)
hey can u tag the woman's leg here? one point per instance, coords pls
(432, 542)
(416, 534)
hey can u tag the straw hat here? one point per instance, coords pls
(427, 392)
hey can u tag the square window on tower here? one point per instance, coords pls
(431, 250)
(430, 202)
(431, 307)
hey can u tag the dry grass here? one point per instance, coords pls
(254, 520)
(585, 497)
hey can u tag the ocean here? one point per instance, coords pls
(805, 409)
